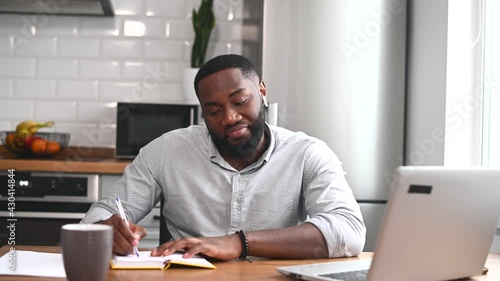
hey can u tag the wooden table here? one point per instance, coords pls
(259, 269)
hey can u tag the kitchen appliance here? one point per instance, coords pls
(337, 69)
(43, 202)
(139, 123)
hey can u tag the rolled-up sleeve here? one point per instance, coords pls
(330, 203)
(138, 191)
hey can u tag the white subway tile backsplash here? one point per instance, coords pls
(228, 10)
(99, 69)
(156, 73)
(164, 93)
(82, 134)
(55, 110)
(108, 133)
(181, 30)
(96, 112)
(128, 7)
(133, 70)
(163, 49)
(6, 45)
(175, 70)
(187, 48)
(77, 90)
(122, 48)
(16, 109)
(169, 8)
(98, 136)
(144, 27)
(73, 70)
(6, 88)
(36, 89)
(227, 32)
(216, 48)
(19, 24)
(57, 68)
(39, 47)
(6, 126)
(17, 67)
(118, 91)
(79, 47)
(57, 25)
(104, 27)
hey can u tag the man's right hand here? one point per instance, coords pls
(124, 237)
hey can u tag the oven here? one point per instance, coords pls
(34, 206)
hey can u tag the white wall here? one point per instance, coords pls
(72, 69)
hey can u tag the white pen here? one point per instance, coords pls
(122, 214)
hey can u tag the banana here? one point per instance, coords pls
(29, 127)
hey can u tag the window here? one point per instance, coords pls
(491, 86)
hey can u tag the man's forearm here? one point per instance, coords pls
(297, 242)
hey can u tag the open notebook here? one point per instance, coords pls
(438, 225)
(146, 261)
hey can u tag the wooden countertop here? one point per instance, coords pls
(70, 160)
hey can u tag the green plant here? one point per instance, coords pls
(203, 24)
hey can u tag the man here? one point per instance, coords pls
(237, 186)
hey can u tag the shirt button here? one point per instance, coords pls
(235, 204)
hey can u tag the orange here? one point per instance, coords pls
(53, 147)
(10, 138)
(39, 146)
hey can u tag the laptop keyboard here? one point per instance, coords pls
(358, 275)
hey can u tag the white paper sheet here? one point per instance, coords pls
(29, 263)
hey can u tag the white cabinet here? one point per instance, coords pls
(151, 222)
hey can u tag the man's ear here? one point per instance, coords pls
(262, 88)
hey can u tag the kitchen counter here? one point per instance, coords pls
(70, 160)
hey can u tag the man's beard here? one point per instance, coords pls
(245, 148)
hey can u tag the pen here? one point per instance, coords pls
(122, 214)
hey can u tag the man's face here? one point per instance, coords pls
(233, 111)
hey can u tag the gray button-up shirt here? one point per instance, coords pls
(298, 179)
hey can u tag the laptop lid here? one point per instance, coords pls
(438, 225)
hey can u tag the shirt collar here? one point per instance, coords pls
(216, 158)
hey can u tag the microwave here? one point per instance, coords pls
(137, 124)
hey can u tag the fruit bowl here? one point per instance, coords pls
(37, 144)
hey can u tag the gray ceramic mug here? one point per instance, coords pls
(86, 251)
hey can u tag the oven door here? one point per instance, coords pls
(32, 212)
(33, 231)
(34, 227)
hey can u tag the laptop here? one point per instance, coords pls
(439, 225)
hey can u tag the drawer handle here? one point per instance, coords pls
(156, 218)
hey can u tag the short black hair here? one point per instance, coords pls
(224, 62)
